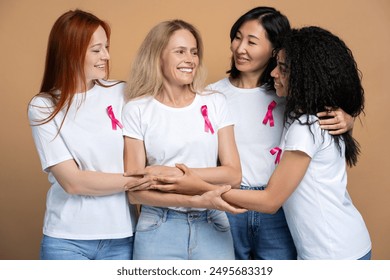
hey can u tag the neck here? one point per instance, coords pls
(80, 87)
(246, 80)
(177, 97)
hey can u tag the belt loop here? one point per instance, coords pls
(209, 215)
(164, 214)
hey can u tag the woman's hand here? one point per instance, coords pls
(213, 200)
(147, 176)
(335, 120)
(142, 183)
(189, 183)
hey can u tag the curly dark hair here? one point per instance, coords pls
(275, 25)
(322, 73)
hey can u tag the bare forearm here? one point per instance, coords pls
(221, 175)
(97, 183)
(160, 199)
(82, 182)
(259, 201)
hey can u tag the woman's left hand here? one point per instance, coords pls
(189, 183)
(336, 121)
(213, 200)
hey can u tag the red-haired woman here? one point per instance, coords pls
(77, 133)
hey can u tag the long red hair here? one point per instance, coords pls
(67, 46)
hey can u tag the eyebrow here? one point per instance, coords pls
(98, 45)
(185, 48)
(250, 35)
(253, 36)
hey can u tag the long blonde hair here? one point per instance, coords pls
(146, 77)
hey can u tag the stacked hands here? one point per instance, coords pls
(181, 180)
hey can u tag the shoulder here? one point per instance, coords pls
(138, 102)
(304, 122)
(212, 96)
(221, 85)
(305, 129)
(41, 100)
(111, 85)
(40, 107)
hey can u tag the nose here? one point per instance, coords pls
(105, 54)
(275, 73)
(241, 48)
(189, 58)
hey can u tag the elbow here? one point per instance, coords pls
(237, 179)
(267, 206)
(271, 208)
(72, 189)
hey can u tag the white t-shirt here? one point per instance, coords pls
(248, 108)
(322, 219)
(88, 138)
(177, 135)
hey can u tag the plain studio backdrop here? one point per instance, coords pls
(24, 29)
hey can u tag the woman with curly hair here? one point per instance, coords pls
(314, 69)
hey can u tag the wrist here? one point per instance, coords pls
(196, 201)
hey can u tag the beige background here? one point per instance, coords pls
(24, 29)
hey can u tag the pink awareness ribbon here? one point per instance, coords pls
(268, 116)
(114, 121)
(279, 153)
(207, 124)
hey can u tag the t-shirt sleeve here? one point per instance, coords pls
(300, 138)
(49, 144)
(224, 118)
(131, 120)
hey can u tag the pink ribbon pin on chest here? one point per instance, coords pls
(207, 124)
(278, 152)
(114, 121)
(269, 116)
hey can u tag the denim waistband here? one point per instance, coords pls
(190, 215)
(262, 188)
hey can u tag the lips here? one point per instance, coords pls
(186, 70)
(240, 59)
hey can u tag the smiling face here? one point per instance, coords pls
(97, 56)
(251, 48)
(281, 74)
(179, 60)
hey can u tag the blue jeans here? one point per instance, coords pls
(261, 236)
(68, 249)
(366, 256)
(165, 234)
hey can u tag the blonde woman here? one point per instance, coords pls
(169, 120)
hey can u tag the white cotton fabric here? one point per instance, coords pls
(322, 219)
(87, 137)
(177, 135)
(254, 139)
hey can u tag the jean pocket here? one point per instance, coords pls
(148, 221)
(220, 221)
